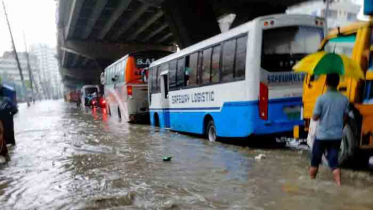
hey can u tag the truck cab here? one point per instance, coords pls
(354, 41)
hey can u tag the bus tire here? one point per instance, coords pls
(156, 120)
(348, 146)
(211, 131)
(119, 113)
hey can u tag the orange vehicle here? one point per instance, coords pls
(125, 91)
(354, 41)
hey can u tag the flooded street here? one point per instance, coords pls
(69, 158)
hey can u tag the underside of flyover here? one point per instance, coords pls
(94, 33)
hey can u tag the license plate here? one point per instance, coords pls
(293, 112)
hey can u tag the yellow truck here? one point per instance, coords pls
(355, 41)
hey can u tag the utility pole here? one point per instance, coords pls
(16, 55)
(29, 67)
(327, 6)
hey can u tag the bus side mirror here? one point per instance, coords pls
(113, 79)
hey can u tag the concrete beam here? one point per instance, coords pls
(134, 17)
(85, 61)
(96, 12)
(71, 81)
(164, 38)
(114, 17)
(110, 51)
(191, 21)
(146, 25)
(75, 60)
(81, 74)
(73, 18)
(154, 33)
(63, 58)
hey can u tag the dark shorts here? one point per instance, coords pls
(330, 147)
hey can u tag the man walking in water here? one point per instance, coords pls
(331, 110)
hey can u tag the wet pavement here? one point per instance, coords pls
(69, 158)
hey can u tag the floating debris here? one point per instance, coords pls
(167, 158)
(260, 156)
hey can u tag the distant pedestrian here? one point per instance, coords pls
(330, 111)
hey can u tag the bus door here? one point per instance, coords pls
(164, 99)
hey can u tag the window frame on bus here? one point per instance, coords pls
(200, 58)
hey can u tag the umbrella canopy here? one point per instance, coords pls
(328, 63)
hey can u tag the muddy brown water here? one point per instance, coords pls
(69, 158)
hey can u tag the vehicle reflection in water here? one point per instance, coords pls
(69, 158)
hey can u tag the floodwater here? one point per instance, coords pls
(69, 158)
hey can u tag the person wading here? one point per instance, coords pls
(330, 111)
(9, 109)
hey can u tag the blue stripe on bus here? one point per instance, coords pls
(181, 109)
(236, 119)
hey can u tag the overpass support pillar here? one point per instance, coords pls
(191, 21)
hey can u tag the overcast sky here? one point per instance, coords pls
(36, 18)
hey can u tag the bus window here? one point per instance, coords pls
(186, 70)
(154, 79)
(172, 73)
(215, 64)
(284, 47)
(199, 68)
(240, 58)
(157, 82)
(342, 45)
(193, 66)
(206, 66)
(229, 48)
(109, 75)
(180, 72)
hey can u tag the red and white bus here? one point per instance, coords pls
(124, 90)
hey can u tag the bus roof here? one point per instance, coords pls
(241, 29)
(144, 52)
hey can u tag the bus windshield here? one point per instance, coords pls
(283, 47)
(341, 45)
(91, 90)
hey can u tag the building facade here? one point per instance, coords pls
(10, 75)
(48, 65)
(341, 12)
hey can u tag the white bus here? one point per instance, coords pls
(238, 83)
(124, 90)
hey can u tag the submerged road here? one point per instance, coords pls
(72, 158)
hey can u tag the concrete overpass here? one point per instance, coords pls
(94, 33)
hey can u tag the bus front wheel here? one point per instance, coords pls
(211, 131)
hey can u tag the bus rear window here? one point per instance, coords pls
(91, 90)
(284, 47)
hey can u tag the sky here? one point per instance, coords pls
(36, 18)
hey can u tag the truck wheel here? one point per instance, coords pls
(348, 146)
(211, 131)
